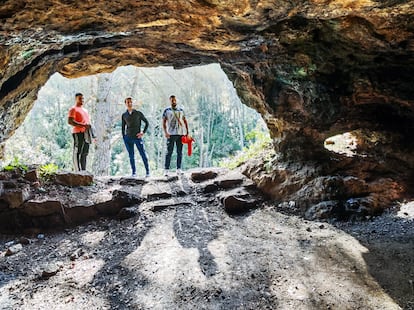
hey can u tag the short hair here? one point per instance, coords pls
(78, 94)
(127, 99)
(172, 96)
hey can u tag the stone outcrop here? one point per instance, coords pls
(313, 69)
(53, 205)
(81, 178)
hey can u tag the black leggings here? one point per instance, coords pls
(80, 151)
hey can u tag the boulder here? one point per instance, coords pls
(42, 207)
(72, 179)
(236, 205)
(31, 176)
(200, 176)
(16, 197)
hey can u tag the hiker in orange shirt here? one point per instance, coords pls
(79, 118)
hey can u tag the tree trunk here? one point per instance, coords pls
(102, 123)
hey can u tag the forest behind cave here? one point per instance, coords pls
(222, 127)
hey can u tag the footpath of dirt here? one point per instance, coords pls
(194, 255)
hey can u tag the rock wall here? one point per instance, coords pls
(29, 203)
(313, 69)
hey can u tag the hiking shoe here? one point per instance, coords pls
(147, 175)
(179, 171)
(166, 172)
(134, 175)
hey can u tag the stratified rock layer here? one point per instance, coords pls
(313, 69)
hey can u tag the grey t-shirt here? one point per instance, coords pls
(175, 121)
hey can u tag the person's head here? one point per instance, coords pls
(173, 101)
(79, 99)
(128, 102)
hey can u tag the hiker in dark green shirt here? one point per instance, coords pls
(132, 135)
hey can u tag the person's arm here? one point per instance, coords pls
(186, 125)
(123, 126)
(164, 126)
(145, 121)
(71, 121)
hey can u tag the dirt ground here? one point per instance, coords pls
(196, 256)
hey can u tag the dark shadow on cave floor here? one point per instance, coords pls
(194, 228)
(113, 276)
(389, 239)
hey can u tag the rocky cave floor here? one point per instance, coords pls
(187, 252)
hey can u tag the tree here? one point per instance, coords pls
(217, 119)
(102, 122)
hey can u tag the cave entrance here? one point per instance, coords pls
(221, 125)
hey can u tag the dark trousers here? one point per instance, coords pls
(80, 151)
(174, 140)
(129, 144)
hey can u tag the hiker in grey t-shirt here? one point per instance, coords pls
(175, 126)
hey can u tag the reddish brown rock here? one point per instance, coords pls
(16, 197)
(31, 176)
(236, 205)
(42, 207)
(313, 69)
(74, 179)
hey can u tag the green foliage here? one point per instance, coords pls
(218, 121)
(27, 54)
(260, 141)
(303, 72)
(15, 164)
(47, 171)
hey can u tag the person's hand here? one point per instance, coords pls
(87, 126)
(167, 135)
(140, 135)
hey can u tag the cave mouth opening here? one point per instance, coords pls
(221, 125)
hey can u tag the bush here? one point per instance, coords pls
(14, 165)
(47, 171)
(260, 140)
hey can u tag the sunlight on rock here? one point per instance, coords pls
(345, 144)
(221, 253)
(48, 297)
(83, 271)
(92, 239)
(406, 210)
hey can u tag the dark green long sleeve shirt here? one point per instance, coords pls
(131, 123)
